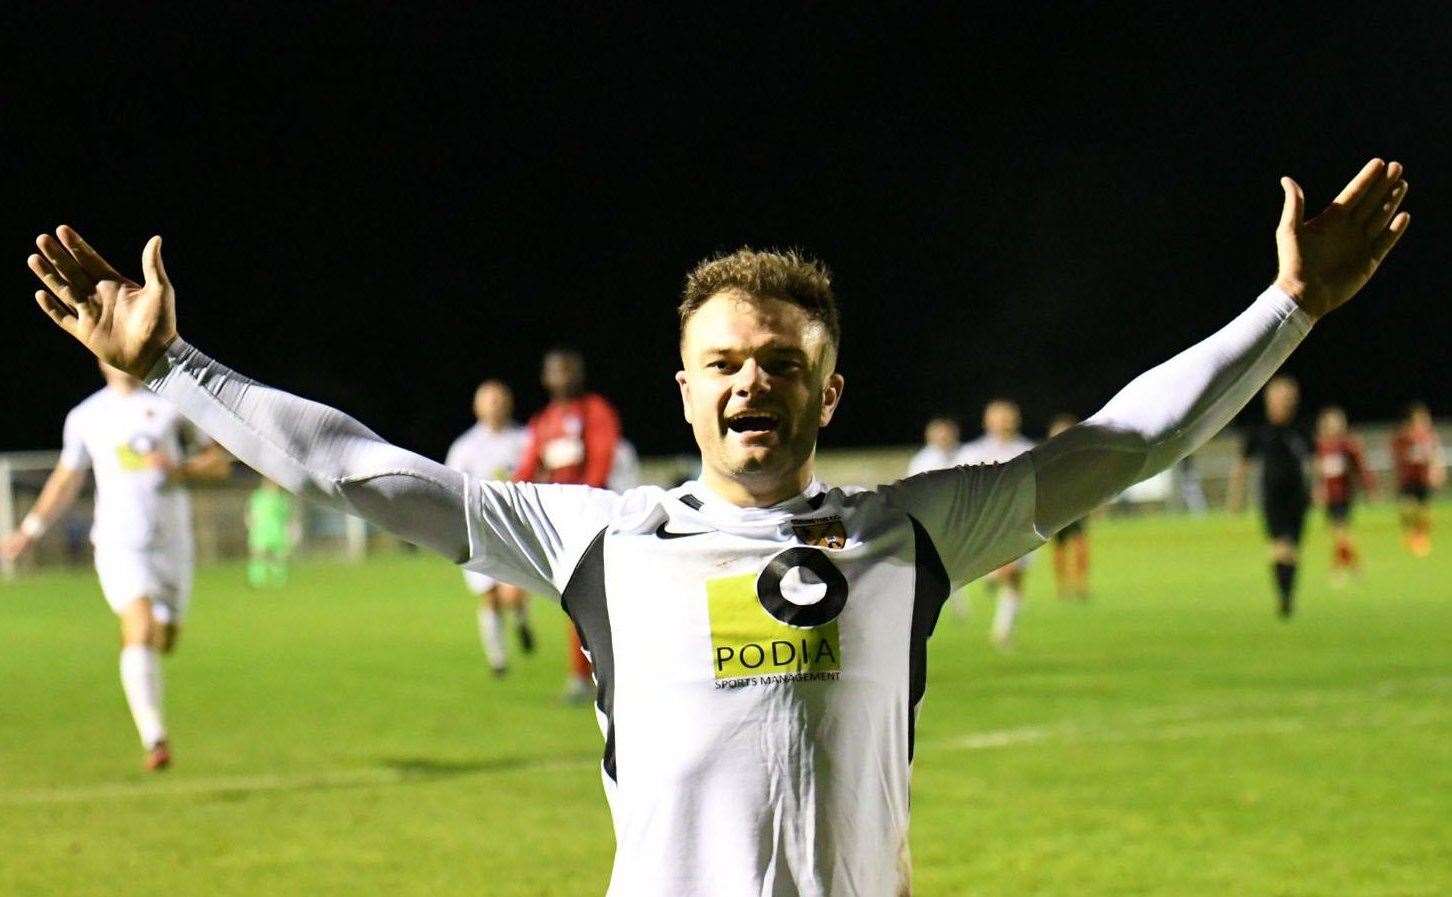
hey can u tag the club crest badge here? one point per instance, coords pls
(824, 532)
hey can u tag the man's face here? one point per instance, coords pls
(563, 374)
(493, 404)
(758, 382)
(1280, 401)
(1001, 420)
(1331, 423)
(942, 434)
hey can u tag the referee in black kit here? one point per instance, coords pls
(1283, 451)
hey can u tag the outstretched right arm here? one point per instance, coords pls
(317, 451)
(516, 532)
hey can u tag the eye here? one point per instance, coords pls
(782, 367)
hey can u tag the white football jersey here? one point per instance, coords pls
(130, 441)
(989, 449)
(759, 670)
(487, 454)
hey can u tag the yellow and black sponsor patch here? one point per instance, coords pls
(756, 630)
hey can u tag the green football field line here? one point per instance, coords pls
(343, 736)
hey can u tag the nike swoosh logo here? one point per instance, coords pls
(662, 533)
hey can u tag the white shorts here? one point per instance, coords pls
(479, 583)
(164, 576)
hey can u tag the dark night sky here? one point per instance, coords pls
(379, 207)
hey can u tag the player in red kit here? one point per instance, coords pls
(1340, 468)
(1421, 469)
(571, 441)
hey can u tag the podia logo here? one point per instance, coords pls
(781, 621)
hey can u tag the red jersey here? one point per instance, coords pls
(1339, 462)
(1415, 451)
(571, 441)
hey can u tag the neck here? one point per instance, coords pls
(744, 493)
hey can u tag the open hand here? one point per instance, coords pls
(125, 324)
(1325, 261)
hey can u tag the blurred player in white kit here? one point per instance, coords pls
(135, 442)
(490, 450)
(940, 447)
(1000, 442)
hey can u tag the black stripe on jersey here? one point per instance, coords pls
(930, 591)
(691, 502)
(584, 601)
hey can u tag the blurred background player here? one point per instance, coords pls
(1001, 441)
(1071, 544)
(135, 442)
(1283, 452)
(941, 442)
(1421, 470)
(272, 531)
(1340, 467)
(572, 440)
(491, 450)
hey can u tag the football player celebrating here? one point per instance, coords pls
(759, 638)
(135, 442)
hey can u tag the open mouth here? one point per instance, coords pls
(752, 422)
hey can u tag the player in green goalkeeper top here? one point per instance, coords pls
(271, 520)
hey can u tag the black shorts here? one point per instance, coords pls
(1285, 517)
(1338, 511)
(1074, 529)
(1417, 492)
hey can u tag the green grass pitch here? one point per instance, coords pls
(343, 737)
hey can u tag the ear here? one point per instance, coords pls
(831, 397)
(685, 386)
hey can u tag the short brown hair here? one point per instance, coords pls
(788, 276)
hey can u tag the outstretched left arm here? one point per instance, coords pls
(1165, 413)
(1169, 411)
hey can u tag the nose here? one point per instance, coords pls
(750, 379)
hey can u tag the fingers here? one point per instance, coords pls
(65, 263)
(151, 264)
(90, 260)
(1377, 193)
(75, 284)
(1388, 208)
(1293, 210)
(1388, 238)
(1354, 191)
(56, 310)
(48, 275)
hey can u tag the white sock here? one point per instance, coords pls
(1005, 614)
(491, 634)
(141, 681)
